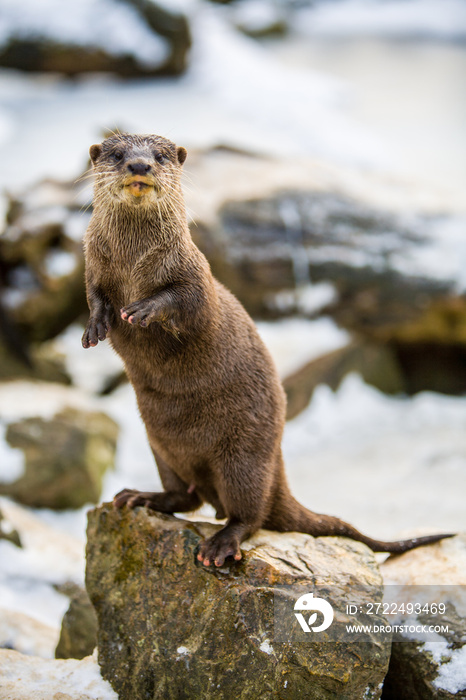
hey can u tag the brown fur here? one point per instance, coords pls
(207, 389)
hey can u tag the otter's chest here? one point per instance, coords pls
(126, 278)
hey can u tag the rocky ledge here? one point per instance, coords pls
(171, 628)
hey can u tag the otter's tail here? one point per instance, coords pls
(299, 519)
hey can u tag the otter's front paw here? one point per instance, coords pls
(96, 329)
(143, 313)
(218, 547)
(140, 313)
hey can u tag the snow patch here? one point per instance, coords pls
(59, 263)
(452, 675)
(266, 647)
(32, 678)
(306, 298)
(442, 256)
(384, 464)
(28, 574)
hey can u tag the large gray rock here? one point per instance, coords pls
(312, 252)
(292, 237)
(65, 458)
(170, 628)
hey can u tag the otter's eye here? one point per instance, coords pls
(160, 158)
(118, 155)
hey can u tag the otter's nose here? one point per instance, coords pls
(138, 168)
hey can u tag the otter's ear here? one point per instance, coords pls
(182, 153)
(95, 151)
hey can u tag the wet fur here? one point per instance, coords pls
(207, 389)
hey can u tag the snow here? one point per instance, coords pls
(266, 647)
(88, 370)
(314, 297)
(24, 399)
(452, 675)
(47, 216)
(394, 18)
(442, 256)
(59, 263)
(306, 298)
(388, 465)
(31, 678)
(29, 574)
(237, 92)
(76, 223)
(26, 635)
(451, 665)
(258, 98)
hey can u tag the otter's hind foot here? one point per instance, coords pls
(225, 543)
(133, 498)
(214, 551)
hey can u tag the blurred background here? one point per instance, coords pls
(325, 182)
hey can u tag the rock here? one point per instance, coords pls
(170, 628)
(436, 668)
(32, 678)
(260, 19)
(41, 263)
(65, 458)
(321, 251)
(8, 532)
(292, 237)
(129, 37)
(38, 362)
(173, 26)
(78, 636)
(377, 365)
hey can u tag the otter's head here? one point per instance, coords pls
(136, 170)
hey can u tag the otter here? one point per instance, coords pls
(206, 386)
